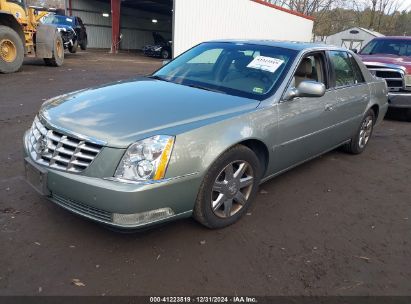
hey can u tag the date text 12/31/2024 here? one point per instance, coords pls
(199, 299)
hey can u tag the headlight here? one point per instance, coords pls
(408, 80)
(146, 159)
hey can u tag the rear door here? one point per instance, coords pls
(351, 94)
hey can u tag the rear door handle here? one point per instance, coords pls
(328, 108)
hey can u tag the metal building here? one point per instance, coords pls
(353, 38)
(129, 24)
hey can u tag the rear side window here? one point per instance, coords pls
(343, 69)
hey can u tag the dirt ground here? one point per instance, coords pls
(338, 225)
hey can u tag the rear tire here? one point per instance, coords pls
(73, 48)
(83, 45)
(228, 188)
(57, 53)
(408, 115)
(11, 50)
(360, 141)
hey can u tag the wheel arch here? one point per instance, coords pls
(256, 145)
(7, 19)
(376, 109)
(260, 149)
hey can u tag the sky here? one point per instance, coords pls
(405, 4)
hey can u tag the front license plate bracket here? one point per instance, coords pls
(36, 177)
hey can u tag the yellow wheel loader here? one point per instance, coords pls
(22, 34)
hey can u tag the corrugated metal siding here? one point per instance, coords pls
(196, 21)
(136, 25)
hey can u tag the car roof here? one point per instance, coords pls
(293, 45)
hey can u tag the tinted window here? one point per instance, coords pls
(343, 71)
(245, 70)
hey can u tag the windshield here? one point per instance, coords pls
(388, 46)
(245, 70)
(56, 19)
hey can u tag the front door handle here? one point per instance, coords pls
(328, 108)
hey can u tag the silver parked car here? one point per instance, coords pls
(198, 136)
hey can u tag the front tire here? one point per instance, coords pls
(165, 54)
(11, 50)
(228, 188)
(57, 53)
(360, 141)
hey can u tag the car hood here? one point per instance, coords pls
(121, 113)
(405, 62)
(64, 27)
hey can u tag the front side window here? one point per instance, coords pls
(245, 70)
(343, 70)
(311, 68)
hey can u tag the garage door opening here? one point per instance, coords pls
(126, 25)
(131, 25)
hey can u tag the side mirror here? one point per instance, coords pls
(165, 62)
(355, 51)
(306, 88)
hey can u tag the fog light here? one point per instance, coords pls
(142, 218)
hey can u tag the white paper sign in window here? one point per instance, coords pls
(266, 63)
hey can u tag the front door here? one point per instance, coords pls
(305, 124)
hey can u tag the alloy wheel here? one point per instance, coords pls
(365, 131)
(232, 189)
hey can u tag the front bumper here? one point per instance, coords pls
(399, 100)
(152, 53)
(115, 203)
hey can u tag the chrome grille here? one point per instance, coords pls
(393, 77)
(58, 151)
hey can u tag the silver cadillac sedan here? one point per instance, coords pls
(197, 137)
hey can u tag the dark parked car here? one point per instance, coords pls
(72, 31)
(161, 47)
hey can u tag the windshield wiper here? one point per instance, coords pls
(158, 78)
(204, 88)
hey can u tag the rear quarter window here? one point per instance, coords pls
(358, 75)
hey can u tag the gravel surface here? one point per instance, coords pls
(337, 225)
